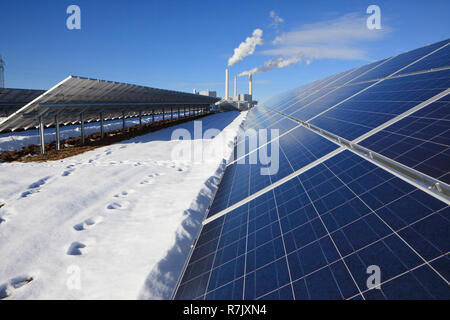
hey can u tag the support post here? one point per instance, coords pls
(171, 113)
(140, 119)
(82, 127)
(153, 116)
(41, 134)
(58, 137)
(123, 122)
(102, 129)
(179, 112)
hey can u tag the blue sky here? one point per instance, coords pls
(182, 45)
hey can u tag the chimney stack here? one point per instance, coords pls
(226, 85)
(250, 84)
(235, 86)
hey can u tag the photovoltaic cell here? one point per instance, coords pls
(420, 141)
(243, 178)
(325, 101)
(314, 236)
(438, 59)
(381, 103)
(399, 62)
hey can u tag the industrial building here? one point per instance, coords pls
(239, 101)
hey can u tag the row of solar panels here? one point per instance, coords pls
(313, 228)
(76, 95)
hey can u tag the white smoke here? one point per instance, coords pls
(277, 63)
(276, 20)
(247, 47)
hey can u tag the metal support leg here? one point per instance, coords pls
(58, 137)
(179, 112)
(102, 129)
(82, 127)
(41, 134)
(123, 122)
(164, 114)
(153, 117)
(171, 113)
(140, 119)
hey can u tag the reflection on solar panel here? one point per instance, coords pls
(361, 191)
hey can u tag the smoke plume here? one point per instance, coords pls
(247, 47)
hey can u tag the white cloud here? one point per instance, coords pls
(247, 47)
(334, 39)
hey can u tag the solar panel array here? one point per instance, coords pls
(362, 187)
(76, 95)
(12, 100)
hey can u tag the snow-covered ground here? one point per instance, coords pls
(113, 223)
(17, 140)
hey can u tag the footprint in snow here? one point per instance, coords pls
(123, 194)
(118, 205)
(88, 223)
(75, 249)
(8, 288)
(34, 187)
(67, 172)
(146, 181)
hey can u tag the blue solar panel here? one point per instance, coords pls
(317, 234)
(381, 103)
(243, 178)
(420, 141)
(314, 236)
(399, 62)
(438, 59)
(323, 100)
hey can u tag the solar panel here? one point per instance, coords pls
(397, 63)
(381, 103)
(12, 100)
(362, 184)
(76, 95)
(297, 149)
(314, 237)
(435, 61)
(420, 140)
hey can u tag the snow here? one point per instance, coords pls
(113, 223)
(17, 140)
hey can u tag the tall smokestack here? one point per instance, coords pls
(250, 84)
(226, 85)
(235, 86)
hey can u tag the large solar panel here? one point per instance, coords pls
(76, 95)
(381, 103)
(314, 237)
(364, 167)
(420, 141)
